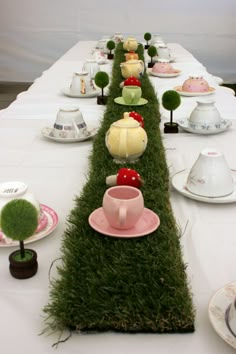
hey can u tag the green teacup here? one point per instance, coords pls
(131, 94)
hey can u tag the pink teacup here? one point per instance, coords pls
(163, 67)
(123, 206)
(195, 84)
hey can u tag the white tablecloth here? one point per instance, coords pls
(57, 172)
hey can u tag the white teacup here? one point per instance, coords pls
(16, 190)
(69, 124)
(204, 113)
(91, 67)
(163, 52)
(82, 84)
(210, 175)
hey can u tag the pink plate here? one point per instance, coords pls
(148, 223)
(47, 223)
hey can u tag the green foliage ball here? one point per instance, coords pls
(19, 219)
(152, 51)
(101, 79)
(147, 36)
(111, 45)
(171, 100)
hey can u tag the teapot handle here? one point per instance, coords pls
(123, 143)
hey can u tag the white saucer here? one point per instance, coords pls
(192, 94)
(165, 75)
(216, 312)
(205, 128)
(179, 183)
(148, 222)
(66, 91)
(47, 133)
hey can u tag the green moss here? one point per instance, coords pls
(28, 256)
(19, 219)
(101, 79)
(152, 51)
(129, 285)
(147, 36)
(111, 45)
(171, 100)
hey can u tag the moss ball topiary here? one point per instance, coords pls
(152, 51)
(171, 100)
(101, 79)
(111, 45)
(147, 36)
(19, 219)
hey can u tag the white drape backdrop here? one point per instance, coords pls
(34, 33)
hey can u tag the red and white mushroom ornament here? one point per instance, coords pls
(125, 176)
(137, 117)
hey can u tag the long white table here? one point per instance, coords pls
(57, 172)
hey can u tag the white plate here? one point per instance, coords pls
(66, 91)
(162, 75)
(179, 183)
(50, 225)
(205, 128)
(47, 133)
(192, 94)
(216, 312)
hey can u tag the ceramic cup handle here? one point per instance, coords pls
(122, 215)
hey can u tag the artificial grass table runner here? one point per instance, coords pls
(128, 285)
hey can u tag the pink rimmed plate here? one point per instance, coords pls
(47, 223)
(148, 222)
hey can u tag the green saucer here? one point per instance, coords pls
(120, 100)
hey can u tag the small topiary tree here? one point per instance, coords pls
(171, 101)
(152, 52)
(19, 220)
(110, 45)
(101, 80)
(147, 36)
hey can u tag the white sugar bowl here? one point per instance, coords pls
(16, 190)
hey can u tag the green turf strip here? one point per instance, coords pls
(129, 285)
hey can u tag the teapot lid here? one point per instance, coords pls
(127, 121)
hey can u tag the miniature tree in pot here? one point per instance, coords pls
(101, 80)
(147, 36)
(171, 101)
(110, 45)
(152, 52)
(19, 220)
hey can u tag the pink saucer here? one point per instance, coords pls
(148, 223)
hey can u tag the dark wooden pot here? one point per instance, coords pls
(102, 100)
(171, 128)
(23, 269)
(146, 46)
(110, 56)
(151, 64)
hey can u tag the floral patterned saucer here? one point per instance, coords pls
(218, 305)
(205, 129)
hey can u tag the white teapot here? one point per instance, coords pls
(126, 140)
(132, 67)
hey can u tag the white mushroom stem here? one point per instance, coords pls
(111, 180)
